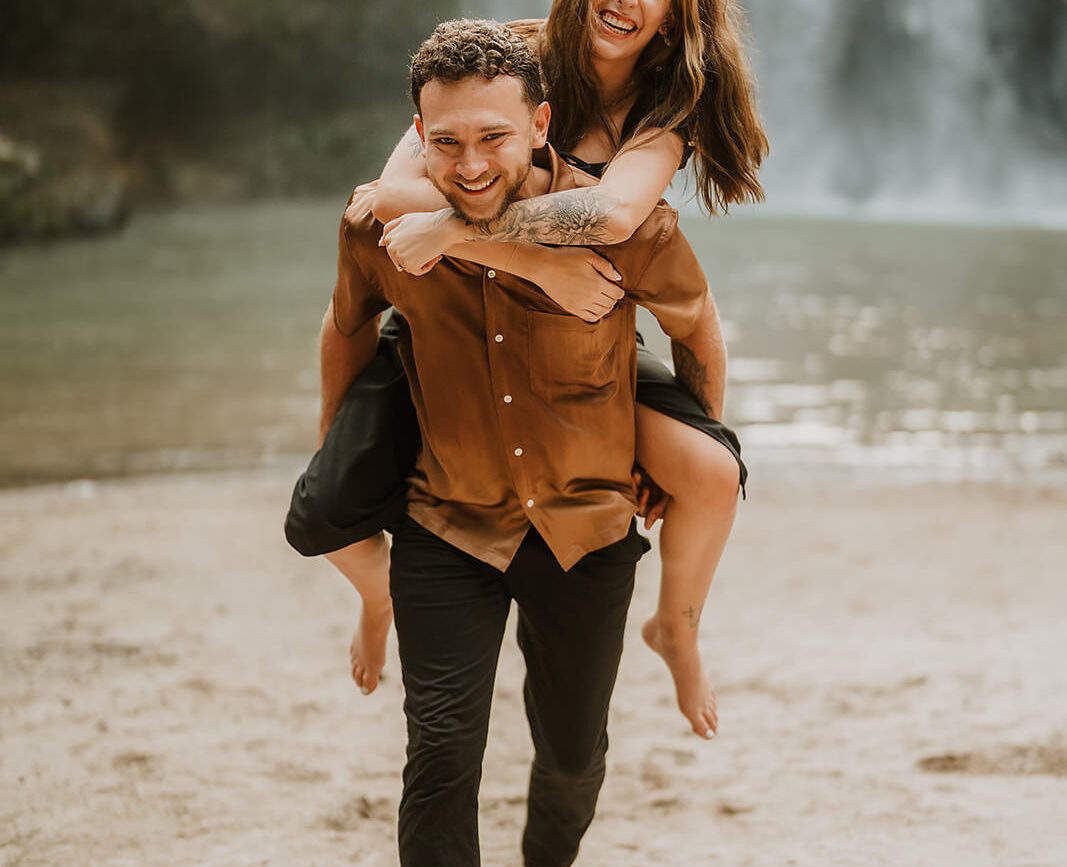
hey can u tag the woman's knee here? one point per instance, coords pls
(719, 468)
(686, 462)
(712, 477)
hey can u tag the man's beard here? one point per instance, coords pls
(510, 197)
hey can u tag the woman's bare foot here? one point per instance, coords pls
(366, 566)
(367, 650)
(696, 697)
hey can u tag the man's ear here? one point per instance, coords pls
(421, 132)
(541, 116)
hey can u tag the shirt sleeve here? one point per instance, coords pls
(669, 281)
(357, 295)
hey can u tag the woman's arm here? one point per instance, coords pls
(580, 281)
(404, 187)
(607, 213)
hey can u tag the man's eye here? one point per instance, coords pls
(494, 136)
(445, 142)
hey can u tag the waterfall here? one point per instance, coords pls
(923, 109)
(915, 108)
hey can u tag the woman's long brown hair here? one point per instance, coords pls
(699, 85)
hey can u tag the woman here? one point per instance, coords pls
(637, 87)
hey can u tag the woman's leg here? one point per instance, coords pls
(366, 566)
(353, 486)
(703, 479)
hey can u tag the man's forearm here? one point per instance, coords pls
(571, 217)
(700, 361)
(341, 359)
(514, 257)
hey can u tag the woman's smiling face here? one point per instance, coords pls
(622, 28)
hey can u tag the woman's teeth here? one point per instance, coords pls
(617, 24)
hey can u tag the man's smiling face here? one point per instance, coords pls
(478, 135)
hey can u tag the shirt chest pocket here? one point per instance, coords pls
(574, 359)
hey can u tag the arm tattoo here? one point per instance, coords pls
(692, 373)
(572, 217)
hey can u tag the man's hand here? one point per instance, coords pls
(652, 500)
(578, 280)
(416, 242)
(700, 361)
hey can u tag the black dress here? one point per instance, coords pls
(356, 484)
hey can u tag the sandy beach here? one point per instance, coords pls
(888, 662)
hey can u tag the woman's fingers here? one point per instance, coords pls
(597, 309)
(389, 248)
(642, 499)
(608, 272)
(425, 269)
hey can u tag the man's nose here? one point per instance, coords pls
(472, 163)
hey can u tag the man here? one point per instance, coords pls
(522, 488)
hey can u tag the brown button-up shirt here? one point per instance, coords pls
(526, 412)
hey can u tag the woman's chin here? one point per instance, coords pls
(607, 46)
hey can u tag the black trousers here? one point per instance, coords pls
(450, 611)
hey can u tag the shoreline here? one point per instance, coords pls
(779, 464)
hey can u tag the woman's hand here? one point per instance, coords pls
(578, 280)
(416, 242)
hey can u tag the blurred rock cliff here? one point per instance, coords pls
(110, 104)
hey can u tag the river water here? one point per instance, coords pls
(188, 342)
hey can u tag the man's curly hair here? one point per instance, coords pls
(465, 47)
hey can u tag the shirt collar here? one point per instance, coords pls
(564, 175)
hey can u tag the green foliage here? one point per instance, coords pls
(193, 74)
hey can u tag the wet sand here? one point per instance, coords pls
(888, 661)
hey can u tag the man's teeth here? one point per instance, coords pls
(476, 188)
(617, 23)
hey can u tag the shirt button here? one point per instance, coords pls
(529, 504)
(491, 274)
(518, 453)
(507, 398)
(499, 338)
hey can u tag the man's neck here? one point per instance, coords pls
(537, 183)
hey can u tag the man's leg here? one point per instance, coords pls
(450, 610)
(570, 630)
